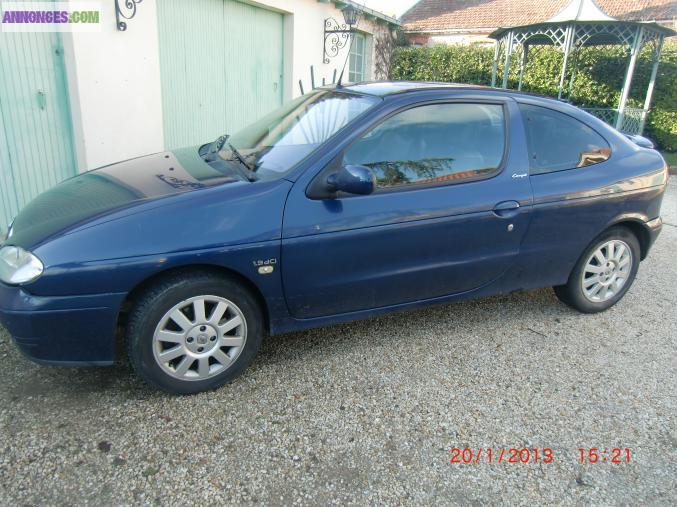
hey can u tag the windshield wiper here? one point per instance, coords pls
(215, 147)
(251, 172)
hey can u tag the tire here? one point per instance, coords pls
(173, 347)
(615, 276)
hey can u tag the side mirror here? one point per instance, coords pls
(352, 179)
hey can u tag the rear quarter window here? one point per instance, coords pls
(558, 142)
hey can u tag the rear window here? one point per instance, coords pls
(557, 142)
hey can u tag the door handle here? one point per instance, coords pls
(506, 209)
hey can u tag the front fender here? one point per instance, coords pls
(230, 226)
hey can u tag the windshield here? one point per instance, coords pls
(277, 142)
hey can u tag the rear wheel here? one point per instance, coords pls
(194, 332)
(604, 273)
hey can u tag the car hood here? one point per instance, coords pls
(114, 187)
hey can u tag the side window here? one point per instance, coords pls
(557, 141)
(439, 143)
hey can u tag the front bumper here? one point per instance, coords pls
(63, 330)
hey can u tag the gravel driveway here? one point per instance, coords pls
(367, 413)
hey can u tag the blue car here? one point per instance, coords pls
(346, 203)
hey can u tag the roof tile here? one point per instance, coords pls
(433, 15)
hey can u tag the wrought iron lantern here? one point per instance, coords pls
(337, 35)
(350, 15)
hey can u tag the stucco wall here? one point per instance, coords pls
(115, 86)
(461, 38)
(304, 29)
(480, 37)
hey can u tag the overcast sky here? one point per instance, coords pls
(390, 7)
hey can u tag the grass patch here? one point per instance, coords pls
(670, 158)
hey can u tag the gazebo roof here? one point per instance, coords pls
(584, 12)
(583, 23)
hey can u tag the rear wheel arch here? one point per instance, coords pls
(573, 293)
(639, 229)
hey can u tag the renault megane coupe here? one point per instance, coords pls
(346, 203)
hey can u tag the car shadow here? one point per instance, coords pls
(518, 312)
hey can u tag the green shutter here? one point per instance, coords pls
(36, 147)
(221, 66)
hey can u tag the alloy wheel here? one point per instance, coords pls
(607, 271)
(199, 338)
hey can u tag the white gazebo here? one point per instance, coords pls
(582, 23)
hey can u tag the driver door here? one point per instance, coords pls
(448, 214)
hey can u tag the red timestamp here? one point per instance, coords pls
(614, 455)
(523, 455)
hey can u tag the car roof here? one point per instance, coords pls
(394, 88)
(385, 88)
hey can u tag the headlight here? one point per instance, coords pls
(18, 266)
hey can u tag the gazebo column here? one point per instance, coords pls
(577, 24)
(652, 81)
(636, 47)
(523, 64)
(576, 49)
(508, 54)
(568, 42)
(494, 68)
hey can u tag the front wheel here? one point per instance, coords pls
(194, 332)
(604, 273)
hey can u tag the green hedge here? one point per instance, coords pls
(600, 72)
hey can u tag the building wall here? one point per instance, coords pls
(115, 84)
(462, 38)
(114, 87)
(480, 37)
(304, 29)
